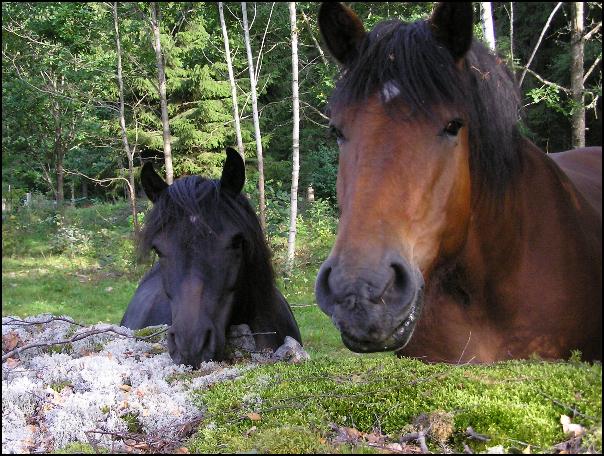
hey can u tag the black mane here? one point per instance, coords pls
(199, 197)
(427, 77)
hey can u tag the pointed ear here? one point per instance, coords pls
(342, 31)
(153, 184)
(452, 24)
(233, 172)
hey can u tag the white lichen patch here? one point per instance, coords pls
(100, 383)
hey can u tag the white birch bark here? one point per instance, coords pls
(291, 240)
(161, 77)
(250, 60)
(227, 52)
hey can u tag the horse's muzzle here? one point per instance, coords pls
(374, 309)
(196, 346)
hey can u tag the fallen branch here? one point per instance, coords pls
(75, 338)
(476, 436)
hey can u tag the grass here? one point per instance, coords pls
(83, 266)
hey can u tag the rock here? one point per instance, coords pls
(291, 351)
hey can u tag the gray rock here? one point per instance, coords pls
(291, 351)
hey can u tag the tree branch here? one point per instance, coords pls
(530, 60)
(75, 338)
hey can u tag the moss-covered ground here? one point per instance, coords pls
(516, 404)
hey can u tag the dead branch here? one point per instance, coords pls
(476, 436)
(75, 338)
(545, 27)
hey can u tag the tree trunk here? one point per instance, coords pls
(227, 52)
(60, 176)
(576, 76)
(291, 240)
(84, 189)
(161, 77)
(122, 120)
(487, 24)
(512, 35)
(256, 119)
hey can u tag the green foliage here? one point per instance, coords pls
(321, 170)
(79, 448)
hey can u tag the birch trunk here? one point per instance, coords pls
(487, 24)
(256, 119)
(122, 120)
(576, 76)
(161, 77)
(291, 240)
(227, 52)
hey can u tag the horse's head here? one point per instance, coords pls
(399, 113)
(198, 229)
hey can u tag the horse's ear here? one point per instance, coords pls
(153, 184)
(452, 25)
(233, 172)
(342, 31)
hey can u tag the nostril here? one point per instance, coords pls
(323, 280)
(401, 277)
(172, 337)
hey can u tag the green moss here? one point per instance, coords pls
(79, 448)
(146, 332)
(132, 422)
(58, 387)
(62, 348)
(510, 402)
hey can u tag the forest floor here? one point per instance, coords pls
(338, 402)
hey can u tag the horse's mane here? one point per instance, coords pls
(423, 70)
(195, 196)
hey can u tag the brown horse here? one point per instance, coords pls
(459, 240)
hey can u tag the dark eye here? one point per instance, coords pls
(237, 242)
(453, 127)
(335, 132)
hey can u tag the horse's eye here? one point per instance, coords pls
(453, 127)
(335, 132)
(237, 242)
(157, 251)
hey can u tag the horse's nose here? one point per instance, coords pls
(348, 285)
(192, 347)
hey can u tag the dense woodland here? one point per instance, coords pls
(61, 134)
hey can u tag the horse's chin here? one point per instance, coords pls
(398, 338)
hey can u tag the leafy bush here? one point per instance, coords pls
(70, 239)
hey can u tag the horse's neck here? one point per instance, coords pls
(539, 220)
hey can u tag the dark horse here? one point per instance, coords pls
(454, 229)
(214, 267)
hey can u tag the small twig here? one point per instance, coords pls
(476, 436)
(467, 449)
(567, 407)
(422, 442)
(92, 443)
(464, 349)
(16, 322)
(419, 437)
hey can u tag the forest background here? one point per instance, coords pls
(60, 95)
